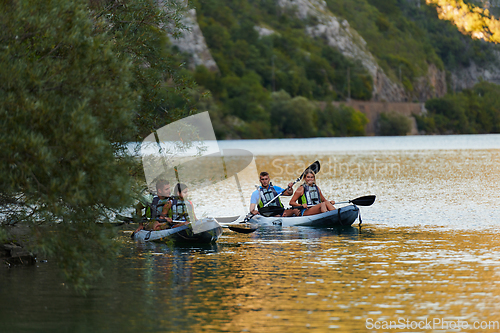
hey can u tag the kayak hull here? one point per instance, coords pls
(341, 217)
(182, 234)
(205, 237)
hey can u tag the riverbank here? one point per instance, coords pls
(15, 252)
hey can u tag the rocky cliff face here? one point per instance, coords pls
(430, 86)
(467, 77)
(192, 42)
(337, 33)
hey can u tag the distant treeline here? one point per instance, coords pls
(472, 111)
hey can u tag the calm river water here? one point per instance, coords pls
(425, 259)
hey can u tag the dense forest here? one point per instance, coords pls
(270, 85)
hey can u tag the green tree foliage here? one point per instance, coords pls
(141, 29)
(292, 117)
(407, 36)
(252, 67)
(341, 121)
(400, 45)
(73, 78)
(392, 124)
(472, 111)
(66, 107)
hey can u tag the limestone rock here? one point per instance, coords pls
(193, 43)
(430, 86)
(263, 32)
(338, 34)
(467, 77)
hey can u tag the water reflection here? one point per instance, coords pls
(380, 274)
(273, 280)
(428, 248)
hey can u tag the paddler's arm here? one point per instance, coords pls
(253, 210)
(289, 190)
(254, 199)
(298, 193)
(193, 211)
(164, 212)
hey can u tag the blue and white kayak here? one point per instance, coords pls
(341, 217)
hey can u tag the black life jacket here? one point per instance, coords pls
(181, 209)
(267, 195)
(311, 195)
(157, 207)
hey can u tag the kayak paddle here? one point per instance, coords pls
(244, 228)
(315, 167)
(366, 200)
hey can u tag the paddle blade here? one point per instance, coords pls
(271, 211)
(367, 200)
(243, 228)
(315, 167)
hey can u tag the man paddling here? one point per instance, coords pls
(266, 193)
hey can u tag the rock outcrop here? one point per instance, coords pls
(193, 43)
(430, 86)
(467, 77)
(337, 33)
(15, 251)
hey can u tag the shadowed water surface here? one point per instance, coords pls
(426, 254)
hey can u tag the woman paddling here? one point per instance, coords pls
(181, 209)
(309, 196)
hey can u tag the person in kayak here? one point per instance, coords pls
(310, 198)
(267, 192)
(180, 210)
(154, 210)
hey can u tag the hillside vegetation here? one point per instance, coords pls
(472, 111)
(256, 71)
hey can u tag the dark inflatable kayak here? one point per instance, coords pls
(208, 230)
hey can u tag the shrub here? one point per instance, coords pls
(341, 121)
(392, 123)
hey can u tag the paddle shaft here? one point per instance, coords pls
(276, 197)
(234, 227)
